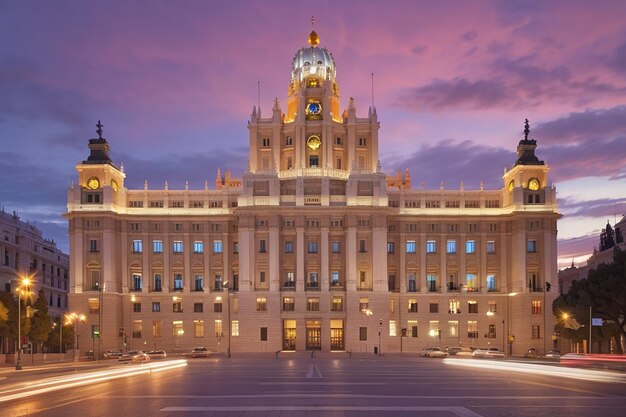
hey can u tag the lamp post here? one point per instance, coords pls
(74, 318)
(22, 289)
(54, 326)
(380, 331)
(508, 323)
(227, 286)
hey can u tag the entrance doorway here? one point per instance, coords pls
(313, 335)
(289, 335)
(336, 335)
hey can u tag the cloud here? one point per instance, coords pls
(454, 162)
(577, 248)
(618, 61)
(590, 125)
(469, 36)
(605, 207)
(419, 49)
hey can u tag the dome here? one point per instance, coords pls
(313, 60)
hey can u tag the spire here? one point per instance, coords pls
(314, 40)
(99, 131)
(526, 149)
(218, 180)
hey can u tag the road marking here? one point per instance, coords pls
(298, 394)
(459, 411)
(321, 383)
(313, 372)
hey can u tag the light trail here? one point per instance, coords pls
(528, 368)
(71, 381)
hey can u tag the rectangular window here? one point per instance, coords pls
(312, 247)
(313, 280)
(262, 248)
(453, 328)
(413, 306)
(218, 282)
(289, 304)
(177, 328)
(158, 282)
(412, 283)
(288, 247)
(470, 246)
(470, 282)
(313, 304)
(491, 282)
(217, 307)
(261, 304)
(364, 304)
(157, 328)
(93, 245)
(337, 304)
(491, 246)
(362, 247)
(262, 277)
(137, 246)
(454, 306)
(198, 281)
(431, 282)
(472, 329)
(217, 246)
(234, 328)
(93, 303)
(136, 282)
(492, 331)
(290, 280)
(334, 278)
(137, 329)
(156, 307)
(451, 246)
(198, 328)
(392, 328)
(412, 326)
(472, 307)
(431, 246)
(532, 246)
(434, 307)
(178, 246)
(536, 307)
(198, 307)
(218, 328)
(433, 329)
(410, 246)
(157, 246)
(390, 247)
(177, 307)
(363, 334)
(198, 246)
(235, 247)
(492, 306)
(263, 334)
(336, 247)
(136, 307)
(536, 332)
(178, 282)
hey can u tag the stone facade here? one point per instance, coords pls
(314, 247)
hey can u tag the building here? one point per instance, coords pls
(315, 247)
(25, 252)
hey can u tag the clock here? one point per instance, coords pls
(533, 184)
(93, 183)
(314, 108)
(511, 185)
(114, 185)
(313, 142)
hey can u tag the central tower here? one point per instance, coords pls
(313, 148)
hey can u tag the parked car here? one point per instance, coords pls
(531, 353)
(157, 354)
(134, 356)
(436, 352)
(494, 353)
(200, 352)
(424, 351)
(459, 352)
(553, 354)
(111, 354)
(479, 353)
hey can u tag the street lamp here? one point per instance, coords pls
(227, 286)
(74, 318)
(23, 289)
(508, 324)
(54, 325)
(380, 330)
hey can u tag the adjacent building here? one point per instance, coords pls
(25, 252)
(314, 247)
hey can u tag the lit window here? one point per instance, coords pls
(392, 328)
(288, 247)
(177, 328)
(312, 247)
(334, 278)
(313, 304)
(234, 328)
(470, 281)
(336, 247)
(532, 246)
(198, 246)
(261, 304)
(157, 246)
(413, 306)
(431, 246)
(470, 246)
(453, 328)
(491, 246)
(451, 246)
(536, 307)
(410, 246)
(337, 304)
(178, 282)
(218, 328)
(198, 328)
(390, 247)
(491, 282)
(288, 304)
(137, 246)
(178, 246)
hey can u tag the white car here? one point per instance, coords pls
(459, 352)
(436, 353)
(425, 351)
(479, 353)
(494, 353)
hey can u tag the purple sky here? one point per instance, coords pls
(174, 84)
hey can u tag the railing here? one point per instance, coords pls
(453, 287)
(535, 289)
(434, 288)
(312, 286)
(289, 286)
(364, 288)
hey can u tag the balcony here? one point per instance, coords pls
(432, 287)
(364, 287)
(535, 289)
(312, 286)
(453, 287)
(337, 286)
(289, 286)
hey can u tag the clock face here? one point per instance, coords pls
(533, 184)
(93, 183)
(313, 142)
(314, 108)
(511, 185)
(114, 185)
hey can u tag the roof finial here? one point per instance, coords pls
(526, 130)
(99, 131)
(314, 40)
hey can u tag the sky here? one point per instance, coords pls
(174, 83)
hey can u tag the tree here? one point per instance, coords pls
(4, 313)
(8, 328)
(605, 291)
(40, 325)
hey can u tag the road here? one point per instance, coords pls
(329, 385)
